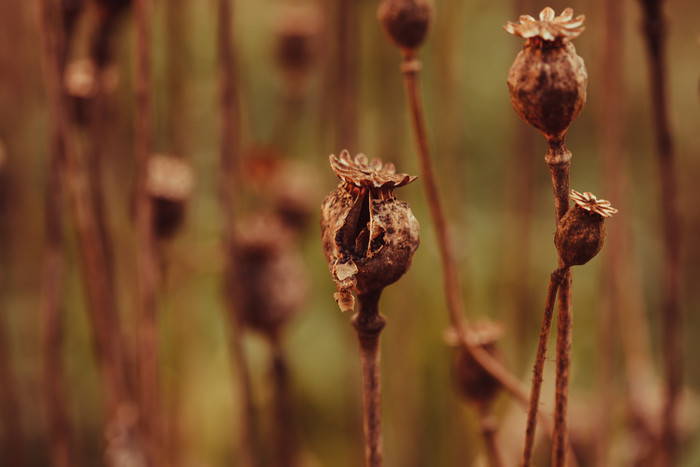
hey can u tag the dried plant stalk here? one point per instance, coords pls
(368, 323)
(9, 403)
(148, 271)
(487, 425)
(285, 451)
(655, 36)
(229, 151)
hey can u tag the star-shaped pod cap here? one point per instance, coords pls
(589, 202)
(550, 27)
(372, 174)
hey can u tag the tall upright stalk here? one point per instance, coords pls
(655, 36)
(368, 323)
(9, 403)
(285, 455)
(147, 256)
(230, 154)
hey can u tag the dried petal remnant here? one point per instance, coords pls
(549, 27)
(369, 237)
(581, 232)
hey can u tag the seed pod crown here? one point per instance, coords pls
(369, 237)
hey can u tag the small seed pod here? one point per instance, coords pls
(369, 237)
(266, 277)
(547, 80)
(169, 183)
(406, 22)
(581, 232)
(472, 382)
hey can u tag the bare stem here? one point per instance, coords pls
(655, 35)
(368, 323)
(558, 159)
(228, 182)
(554, 282)
(487, 425)
(147, 256)
(283, 427)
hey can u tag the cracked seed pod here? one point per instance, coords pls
(369, 237)
(267, 277)
(406, 22)
(581, 232)
(547, 81)
(169, 183)
(472, 382)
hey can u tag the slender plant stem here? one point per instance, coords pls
(346, 92)
(487, 425)
(9, 403)
(104, 320)
(147, 254)
(554, 282)
(285, 455)
(230, 153)
(368, 323)
(655, 35)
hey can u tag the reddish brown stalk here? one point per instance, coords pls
(558, 159)
(230, 153)
(655, 35)
(487, 425)
(146, 249)
(348, 33)
(368, 323)
(9, 403)
(285, 452)
(554, 282)
(100, 304)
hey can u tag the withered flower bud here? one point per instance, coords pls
(547, 81)
(267, 277)
(581, 232)
(369, 237)
(169, 183)
(472, 381)
(406, 22)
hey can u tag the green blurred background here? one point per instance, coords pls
(474, 134)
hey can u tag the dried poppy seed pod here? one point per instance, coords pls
(169, 184)
(267, 277)
(369, 237)
(406, 22)
(472, 382)
(547, 81)
(581, 232)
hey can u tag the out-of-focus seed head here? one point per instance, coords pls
(547, 81)
(267, 277)
(169, 184)
(298, 44)
(369, 237)
(472, 382)
(406, 22)
(581, 232)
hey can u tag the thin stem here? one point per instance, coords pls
(147, 260)
(538, 370)
(348, 32)
(487, 425)
(655, 35)
(9, 403)
(285, 455)
(368, 323)
(228, 182)
(558, 159)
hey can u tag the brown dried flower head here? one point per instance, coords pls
(547, 81)
(473, 383)
(169, 183)
(369, 237)
(267, 277)
(581, 232)
(549, 27)
(406, 22)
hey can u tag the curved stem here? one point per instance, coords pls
(554, 282)
(369, 324)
